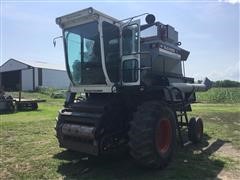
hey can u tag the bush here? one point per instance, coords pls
(53, 93)
(59, 94)
(45, 90)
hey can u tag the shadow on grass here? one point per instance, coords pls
(29, 110)
(3, 112)
(192, 162)
(19, 111)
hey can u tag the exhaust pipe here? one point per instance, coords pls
(188, 87)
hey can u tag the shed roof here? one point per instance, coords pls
(38, 64)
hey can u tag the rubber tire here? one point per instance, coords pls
(142, 135)
(195, 130)
(58, 128)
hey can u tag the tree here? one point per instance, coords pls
(226, 83)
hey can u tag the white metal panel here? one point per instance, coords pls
(55, 78)
(12, 65)
(27, 80)
(36, 77)
(81, 17)
(97, 88)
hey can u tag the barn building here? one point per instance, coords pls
(15, 75)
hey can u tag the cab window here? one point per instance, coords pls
(111, 36)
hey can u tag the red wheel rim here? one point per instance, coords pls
(163, 136)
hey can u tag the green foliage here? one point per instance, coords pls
(220, 95)
(29, 95)
(53, 93)
(59, 94)
(222, 121)
(45, 90)
(226, 83)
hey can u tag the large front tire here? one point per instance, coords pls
(152, 136)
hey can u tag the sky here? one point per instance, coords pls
(208, 29)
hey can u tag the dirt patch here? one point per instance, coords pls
(228, 175)
(41, 157)
(227, 150)
(4, 174)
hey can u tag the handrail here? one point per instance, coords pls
(135, 53)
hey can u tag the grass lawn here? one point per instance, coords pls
(29, 149)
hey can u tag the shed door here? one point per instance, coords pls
(11, 80)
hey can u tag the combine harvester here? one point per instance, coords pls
(135, 87)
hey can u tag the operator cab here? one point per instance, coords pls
(92, 50)
(103, 53)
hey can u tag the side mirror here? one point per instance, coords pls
(150, 19)
(54, 40)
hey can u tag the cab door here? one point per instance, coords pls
(130, 48)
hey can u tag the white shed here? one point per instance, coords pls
(15, 75)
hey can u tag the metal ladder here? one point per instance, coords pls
(180, 113)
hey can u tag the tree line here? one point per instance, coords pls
(224, 83)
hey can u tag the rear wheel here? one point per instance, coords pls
(152, 136)
(195, 130)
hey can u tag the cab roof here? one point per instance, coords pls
(81, 16)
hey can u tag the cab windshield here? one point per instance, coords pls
(83, 54)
